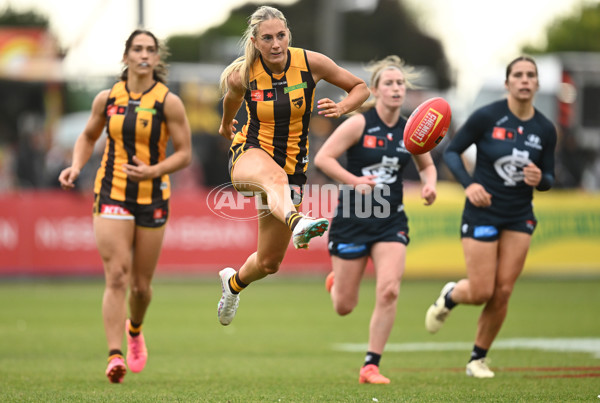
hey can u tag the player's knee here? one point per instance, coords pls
(344, 307)
(275, 180)
(278, 178)
(117, 276)
(388, 294)
(503, 293)
(139, 291)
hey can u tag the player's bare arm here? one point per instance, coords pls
(84, 145)
(345, 136)
(323, 68)
(232, 101)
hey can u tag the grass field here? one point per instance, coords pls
(287, 345)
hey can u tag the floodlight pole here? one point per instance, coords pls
(140, 13)
(329, 28)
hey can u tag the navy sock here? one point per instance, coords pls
(478, 353)
(372, 358)
(448, 303)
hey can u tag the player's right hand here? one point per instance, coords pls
(67, 178)
(228, 131)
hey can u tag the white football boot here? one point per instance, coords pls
(229, 302)
(479, 369)
(437, 312)
(308, 228)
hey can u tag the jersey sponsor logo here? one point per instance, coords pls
(510, 167)
(113, 209)
(295, 87)
(159, 213)
(369, 141)
(144, 122)
(504, 134)
(116, 110)
(298, 102)
(484, 231)
(346, 248)
(373, 129)
(402, 236)
(390, 136)
(263, 95)
(534, 141)
(502, 120)
(374, 142)
(140, 109)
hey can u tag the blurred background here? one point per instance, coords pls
(56, 56)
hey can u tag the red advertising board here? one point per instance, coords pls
(51, 232)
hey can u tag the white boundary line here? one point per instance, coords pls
(575, 345)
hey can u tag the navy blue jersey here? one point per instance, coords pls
(505, 144)
(380, 151)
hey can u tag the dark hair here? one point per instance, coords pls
(522, 58)
(160, 71)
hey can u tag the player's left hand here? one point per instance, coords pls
(429, 194)
(328, 108)
(532, 174)
(139, 171)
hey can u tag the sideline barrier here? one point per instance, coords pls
(566, 240)
(51, 233)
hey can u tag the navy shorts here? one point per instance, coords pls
(490, 232)
(362, 247)
(153, 215)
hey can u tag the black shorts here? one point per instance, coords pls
(490, 231)
(295, 181)
(153, 215)
(354, 238)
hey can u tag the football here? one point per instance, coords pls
(427, 125)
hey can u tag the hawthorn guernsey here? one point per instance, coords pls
(427, 125)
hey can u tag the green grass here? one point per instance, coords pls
(283, 345)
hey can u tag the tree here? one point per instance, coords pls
(388, 29)
(578, 33)
(9, 17)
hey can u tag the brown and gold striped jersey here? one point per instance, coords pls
(135, 124)
(279, 108)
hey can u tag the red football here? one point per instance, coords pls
(427, 125)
